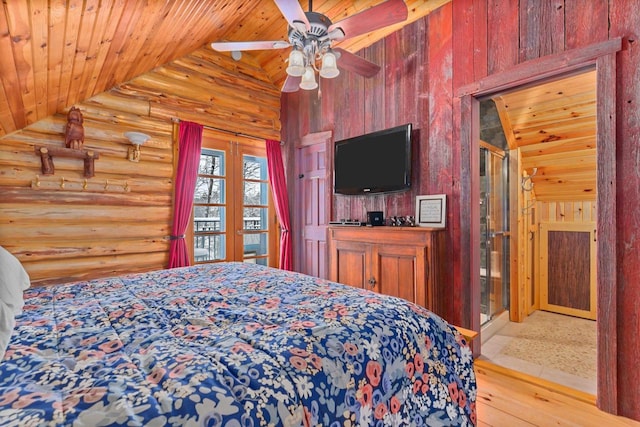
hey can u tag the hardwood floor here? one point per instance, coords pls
(510, 398)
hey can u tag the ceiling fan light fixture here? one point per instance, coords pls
(329, 68)
(296, 63)
(300, 26)
(308, 79)
(336, 34)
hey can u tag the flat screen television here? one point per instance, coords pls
(376, 162)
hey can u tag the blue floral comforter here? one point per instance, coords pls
(231, 344)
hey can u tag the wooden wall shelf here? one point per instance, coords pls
(46, 157)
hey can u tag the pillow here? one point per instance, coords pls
(7, 322)
(13, 281)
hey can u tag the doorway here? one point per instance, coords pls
(314, 157)
(602, 57)
(549, 131)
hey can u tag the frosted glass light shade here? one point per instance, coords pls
(308, 79)
(329, 68)
(136, 138)
(296, 63)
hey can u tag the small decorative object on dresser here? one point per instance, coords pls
(431, 211)
(74, 131)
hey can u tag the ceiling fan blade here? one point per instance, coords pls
(385, 14)
(291, 84)
(294, 14)
(257, 45)
(358, 65)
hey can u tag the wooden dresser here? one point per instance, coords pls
(401, 261)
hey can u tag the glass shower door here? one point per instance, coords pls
(494, 237)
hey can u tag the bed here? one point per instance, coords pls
(231, 344)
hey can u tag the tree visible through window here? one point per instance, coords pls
(231, 207)
(209, 207)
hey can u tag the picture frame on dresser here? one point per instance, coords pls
(431, 210)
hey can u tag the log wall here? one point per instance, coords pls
(65, 228)
(459, 44)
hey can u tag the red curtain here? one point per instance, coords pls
(189, 144)
(281, 199)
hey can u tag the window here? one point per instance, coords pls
(233, 217)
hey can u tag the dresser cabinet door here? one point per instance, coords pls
(399, 270)
(350, 263)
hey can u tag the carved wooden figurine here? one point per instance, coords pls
(74, 132)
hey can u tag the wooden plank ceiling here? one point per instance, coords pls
(554, 126)
(57, 53)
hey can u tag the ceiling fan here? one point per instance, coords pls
(312, 34)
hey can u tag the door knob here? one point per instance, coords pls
(372, 282)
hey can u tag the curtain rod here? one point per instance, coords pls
(175, 120)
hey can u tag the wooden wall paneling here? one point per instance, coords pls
(410, 112)
(624, 21)
(39, 39)
(291, 139)
(118, 47)
(8, 64)
(502, 46)
(327, 106)
(519, 243)
(613, 312)
(437, 142)
(85, 40)
(541, 28)
(350, 121)
(393, 74)
(479, 34)
(585, 22)
(375, 89)
(469, 63)
(68, 52)
(145, 17)
(468, 290)
(423, 101)
(396, 57)
(19, 20)
(5, 120)
(577, 210)
(95, 50)
(374, 117)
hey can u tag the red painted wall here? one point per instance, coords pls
(423, 65)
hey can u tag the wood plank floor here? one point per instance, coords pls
(509, 398)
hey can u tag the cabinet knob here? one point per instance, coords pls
(372, 282)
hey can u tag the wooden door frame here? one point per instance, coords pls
(232, 147)
(314, 138)
(602, 56)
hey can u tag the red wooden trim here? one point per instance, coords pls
(607, 283)
(539, 69)
(314, 138)
(469, 265)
